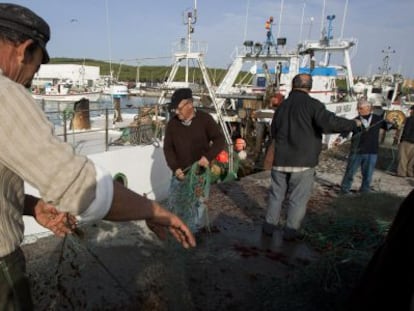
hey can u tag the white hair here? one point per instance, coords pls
(364, 102)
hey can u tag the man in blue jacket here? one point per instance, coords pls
(297, 128)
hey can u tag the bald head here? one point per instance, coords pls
(302, 81)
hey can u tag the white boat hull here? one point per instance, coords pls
(91, 96)
(144, 169)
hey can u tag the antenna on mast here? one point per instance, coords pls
(385, 69)
(330, 18)
(190, 18)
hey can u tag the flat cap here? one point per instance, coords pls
(25, 21)
(179, 95)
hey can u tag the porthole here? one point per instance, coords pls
(121, 178)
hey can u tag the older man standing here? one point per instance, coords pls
(191, 136)
(297, 128)
(364, 147)
(71, 183)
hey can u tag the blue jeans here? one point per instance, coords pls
(367, 164)
(192, 212)
(296, 188)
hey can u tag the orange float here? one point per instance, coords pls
(223, 157)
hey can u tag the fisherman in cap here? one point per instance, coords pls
(70, 183)
(191, 136)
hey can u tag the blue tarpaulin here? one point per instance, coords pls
(318, 71)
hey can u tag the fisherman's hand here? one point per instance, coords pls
(164, 220)
(57, 222)
(179, 174)
(358, 122)
(203, 162)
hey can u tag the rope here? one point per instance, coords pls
(356, 138)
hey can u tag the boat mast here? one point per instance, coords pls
(280, 18)
(191, 19)
(137, 83)
(329, 37)
(109, 40)
(301, 22)
(245, 22)
(385, 69)
(323, 17)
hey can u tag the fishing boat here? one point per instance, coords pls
(116, 90)
(70, 98)
(63, 91)
(384, 89)
(272, 69)
(130, 149)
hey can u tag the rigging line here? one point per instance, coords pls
(368, 128)
(109, 36)
(343, 19)
(245, 22)
(357, 139)
(301, 22)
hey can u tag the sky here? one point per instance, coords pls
(144, 31)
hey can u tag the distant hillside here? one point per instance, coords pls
(146, 73)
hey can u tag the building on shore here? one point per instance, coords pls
(77, 75)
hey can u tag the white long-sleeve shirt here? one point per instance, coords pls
(30, 152)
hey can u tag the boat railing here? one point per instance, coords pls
(182, 46)
(251, 51)
(108, 128)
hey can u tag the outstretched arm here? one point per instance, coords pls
(127, 205)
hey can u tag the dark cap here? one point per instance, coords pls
(178, 96)
(25, 21)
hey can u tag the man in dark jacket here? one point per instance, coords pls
(191, 136)
(364, 147)
(297, 128)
